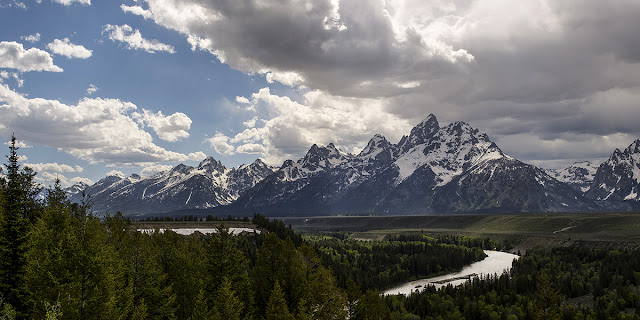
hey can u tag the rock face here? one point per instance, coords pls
(210, 184)
(618, 179)
(578, 175)
(450, 169)
(435, 169)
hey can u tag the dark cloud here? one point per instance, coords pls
(554, 74)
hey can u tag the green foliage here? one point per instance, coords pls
(277, 306)
(400, 258)
(19, 210)
(227, 305)
(371, 307)
(541, 285)
(105, 269)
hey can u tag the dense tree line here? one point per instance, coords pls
(397, 259)
(59, 261)
(546, 283)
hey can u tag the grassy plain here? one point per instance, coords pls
(522, 231)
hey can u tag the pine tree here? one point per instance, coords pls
(20, 208)
(327, 301)
(227, 305)
(278, 260)
(371, 307)
(547, 300)
(277, 306)
(225, 262)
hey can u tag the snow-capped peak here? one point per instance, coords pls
(579, 175)
(211, 164)
(322, 157)
(421, 133)
(448, 152)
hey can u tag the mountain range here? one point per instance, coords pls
(433, 170)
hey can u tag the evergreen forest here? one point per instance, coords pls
(59, 261)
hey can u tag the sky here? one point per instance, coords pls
(91, 88)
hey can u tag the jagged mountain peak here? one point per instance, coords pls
(211, 164)
(322, 157)
(420, 134)
(618, 178)
(76, 189)
(633, 148)
(377, 143)
(578, 175)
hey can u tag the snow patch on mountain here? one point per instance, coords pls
(579, 175)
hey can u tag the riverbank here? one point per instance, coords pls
(496, 262)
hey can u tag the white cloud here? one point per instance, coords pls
(33, 38)
(19, 144)
(14, 56)
(197, 156)
(14, 4)
(115, 173)
(134, 40)
(328, 44)
(70, 2)
(5, 75)
(220, 143)
(151, 170)
(49, 172)
(242, 100)
(251, 122)
(54, 167)
(81, 179)
(251, 148)
(319, 118)
(97, 130)
(92, 89)
(137, 10)
(65, 48)
(291, 79)
(170, 128)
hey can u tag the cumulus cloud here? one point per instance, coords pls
(324, 44)
(33, 38)
(117, 173)
(220, 143)
(134, 40)
(14, 56)
(75, 180)
(95, 129)
(517, 69)
(197, 156)
(48, 173)
(6, 75)
(54, 167)
(318, 118)
(19, 144)
(251, 122)
(92, 89)
(137, 10)
(170, 128)
(151, 170)
(65, 48)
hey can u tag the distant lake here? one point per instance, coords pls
(188, 231)
(496, 262)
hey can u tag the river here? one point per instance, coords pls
(496, 262)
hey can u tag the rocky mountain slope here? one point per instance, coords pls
(578, 175)
(450, 169)
(435, 169)
(210, 184)
(618, 178)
